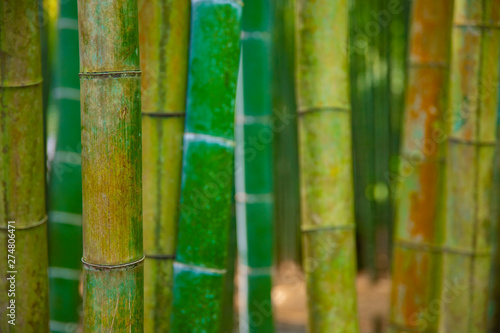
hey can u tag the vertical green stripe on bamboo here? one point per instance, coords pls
(22, 168)
(208, 167)
(469, 167)
(163, 35)
(254, 183)
(326, 172)
(111, 165)
(416, 268)
(65, 189)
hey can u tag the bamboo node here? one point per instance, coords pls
(306, 110)
(164, 114)
(314, 228)
(24, 84)
(29, 226)
(160, 256)
(113, 75)
(97, 267)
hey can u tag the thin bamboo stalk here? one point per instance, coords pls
(111, 166)
(469, 164)
(164, 34)
(254, 182)
(326, 175)
(362, 125)
(286, 183)
(494, 294)
(65, 188)
(22, 170)
(420, 189)
(228, 309)
(208, 167)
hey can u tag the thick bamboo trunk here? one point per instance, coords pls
(469, 164)
(111, 166)
(417, 238)
(22, 171)
(326, 172)
(254, 182)
(208, 167)
(65, 190)
(164, 34)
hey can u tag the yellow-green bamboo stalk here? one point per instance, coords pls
(326, 173)
(417, 238)
(111, 166)
(164, 35)
(469, 165)
(23, 243)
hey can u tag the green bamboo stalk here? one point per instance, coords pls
(469, 164)
(22, 171)
(362, 124)
(65, 189)
(417, 239)
(111, 166)
(228, 308)
(286, 183)
(254, 182)
(326, 173)
(208, 167)
(163, 33)
(494, 294)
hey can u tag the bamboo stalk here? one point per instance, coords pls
(228, 308)
(208, 167)
(163, 33)
(471, 145)
(254, 182)
(494, 294)
(111, 166)
(326, 173)
(363, 147)
(418, 222)
(22, 170)
(65, 189)
(286, 206)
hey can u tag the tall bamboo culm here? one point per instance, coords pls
(254, 169)
(285, 159)
(469, 164)
(208, 167)
(326, 170)
(22, 170)
(420, 183)
(111, 166)
(65, 189)
(164, 34)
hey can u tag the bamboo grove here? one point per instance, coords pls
(249, 166)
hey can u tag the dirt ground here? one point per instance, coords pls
(289, 299)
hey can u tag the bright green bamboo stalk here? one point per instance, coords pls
(111, 166)
(417, 239)
(65, 190)
(228, 308)
(22, 170)
(254, 182)
(208, 167)
(164, 33)
(469, 164)
(326, 172)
